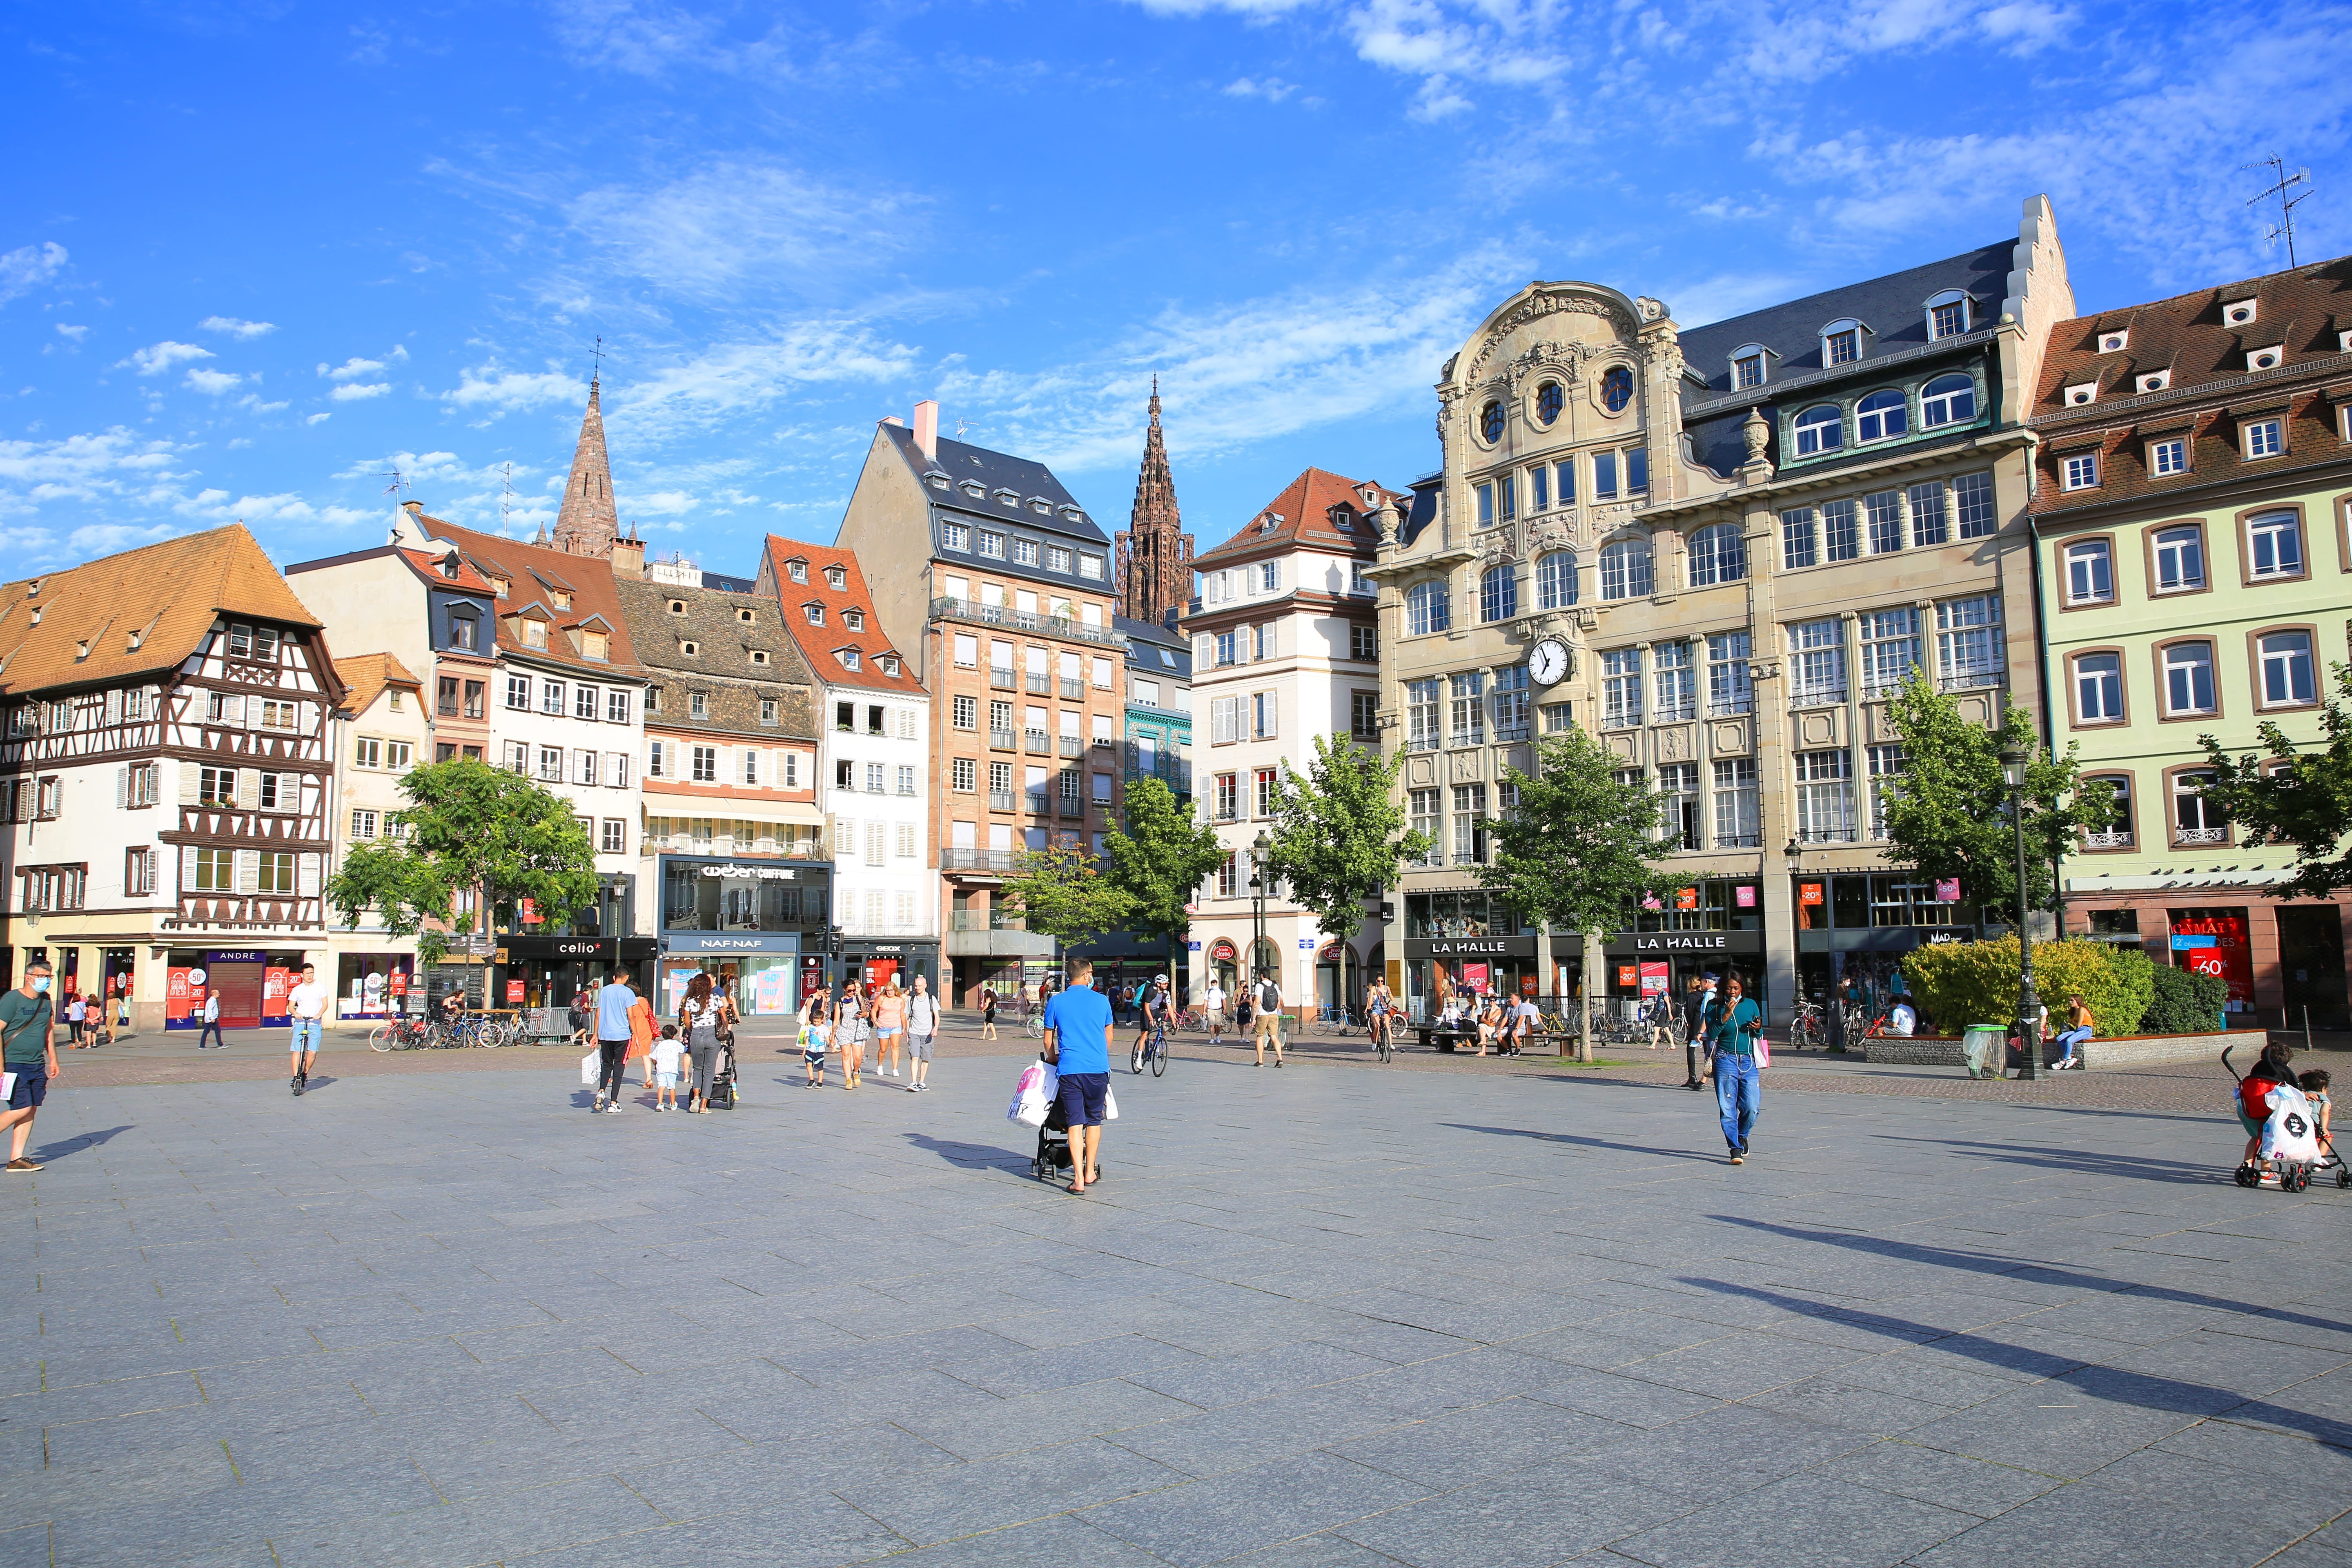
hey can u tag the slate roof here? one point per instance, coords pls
(1304, 514)
(166, 596)
(823, 645)
(365, 676)
(1153, 649)
(533, 573)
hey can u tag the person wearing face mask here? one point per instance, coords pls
(26, 1021)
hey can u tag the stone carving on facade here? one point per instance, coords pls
(1466, 767)
(1537, 306)
(1727, 737)
(1675, 744)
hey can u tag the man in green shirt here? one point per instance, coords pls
(26, 1020)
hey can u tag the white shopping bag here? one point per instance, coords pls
(1032, 1094)
(8, 1087)
(2292, 1134)
(591, 1069)
(1111, 1104)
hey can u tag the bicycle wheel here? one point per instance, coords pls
(1135, 1060)
(380, 1038)
(1160, 1057)
(1036, 1026)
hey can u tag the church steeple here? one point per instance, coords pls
(589, 522)
(1155, 553)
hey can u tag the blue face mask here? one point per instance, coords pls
(41, 985)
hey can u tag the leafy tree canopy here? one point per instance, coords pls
(1338, 833)
(2295, 797)
(1061, 891)
(1577, 851)
(467, 829)
(1158, 857)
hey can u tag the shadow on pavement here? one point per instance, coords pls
(82, 1140)
(968, 1156)
(2081, 1162)
(1588, 1142)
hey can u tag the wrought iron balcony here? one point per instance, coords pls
(1002, 679)
(1004, 741)
(1025, 620)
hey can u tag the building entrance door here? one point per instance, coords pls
(2310, 965)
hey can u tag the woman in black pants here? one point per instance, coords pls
(697, 1024)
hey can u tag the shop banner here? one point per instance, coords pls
(514, 993)
(2228, 959)
(812, 977)
(180, 1003)
(771, 991)
(1474, 977)
(1947, 890)
(1809, 892)
(1629, 975)
(1655, 978)
(1685, 898)
(277, 985)
(1743, 898)
(674, 982)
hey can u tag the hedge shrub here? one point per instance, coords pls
(2185, 1004)
(1976, 982)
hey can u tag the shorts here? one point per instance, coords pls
(1081, 1097)
(32, 1087)
(1216, 1017)
(2253, 1127)
(885, 1035)
(812, 1059)
(307, 1034)
(665, 1080)
(919, 1047)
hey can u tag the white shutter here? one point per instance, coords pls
(249, 711)
(248, 789)
(187, 868)
(1273, 729)
(726, 773)
(306, 875)
(189, 779)
(248, 870)
(122, 787)
(1204, 648)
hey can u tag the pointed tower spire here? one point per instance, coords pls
(589, 522)
(1155, 553)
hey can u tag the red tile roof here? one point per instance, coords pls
(823, 645)
(1306, 512)
(366, 675)
(534, 573)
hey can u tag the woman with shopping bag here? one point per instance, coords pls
(1733, 1027)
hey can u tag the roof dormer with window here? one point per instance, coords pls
(1844, 341)
(1950, 314)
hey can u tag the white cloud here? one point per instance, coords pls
(212, 382)
(157, 358)
(96, 539)
(28, 266)
(66, 331)
(107, 465)
(663, 503)
(317, 418)
(236, 327)
(1273, 88)
(350, 369)
(512, 390)
(728, 378)
(1437, 99)
(353, 391)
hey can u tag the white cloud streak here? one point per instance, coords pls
(354, 391)
(236, 327)
(29, 267)
(157, 358)
(211, 383)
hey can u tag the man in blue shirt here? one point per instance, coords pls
(614, 999)
(1078, 1042)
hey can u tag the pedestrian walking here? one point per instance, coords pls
(608, 1013)
(1077, 1043)
(212, 1029)
(28, 1050)
(816, 1035)
(308, 1004)
(1267, 1003)
(849, 1033)
(662, 1058)
(1213, 1007)
(642, 1034)
(698, 1024)
(922, 1034)
(889, 1023)
(1695, 1054)
(1732, 1024)
(988, 1012)
(75, 1010)
(583, 1017)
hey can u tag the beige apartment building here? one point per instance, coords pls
(1717, 551)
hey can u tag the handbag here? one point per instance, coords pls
(1763, 1053)
(590, 1068)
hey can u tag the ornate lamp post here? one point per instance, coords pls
(1261, 848)
(2013, 765)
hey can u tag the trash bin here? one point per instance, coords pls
(1982, 1043)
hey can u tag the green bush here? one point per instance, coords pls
(1976, 982)
(2186, 1004)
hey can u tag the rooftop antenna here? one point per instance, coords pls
(2281, 184)
(399, 480)
(505, 498)
(962, 425)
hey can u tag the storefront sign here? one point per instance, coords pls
(1474, 976)
(1743, 897)
(238, 955)
(1471, 947)
(1640, 943)
(1809, 892)
(1947, 890)
(1629, 975)
(2226, 956)
(754, 873)
(731, 942)
(1223, 950)
(514, 992)
(1655, 978)
(1330, 954)
(1685, 898)
(2191, 943)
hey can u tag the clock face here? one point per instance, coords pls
(1549, 662)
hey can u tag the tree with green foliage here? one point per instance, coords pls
(1576, 852)
(1948, 811)
(472, 829)
(1061, 891)
(2294, 797)
(1159, 855)
(1338, 833)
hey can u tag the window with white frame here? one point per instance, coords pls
(1817, 651)
(1421, 709)
(1469, 707)
(1428, 608)
(1880, 416)
(1729, 690)
(2265, 438)
(1840, 531)
(1821, 428)
(1883, 515)
(1511, 700)
(2079, 471)
(2180, 559)
(1674, 683)
(1887, 765)
(1679, 809)
(1498, 592)
(1968, 651)
(1841, 343)
(2117, 834)
(550, 697)
(2168, 457)
(1890, 648)
(2098, 688)
(517, 757)
(551, 763)
(1625, 570)
(616, 838)
(1972, 500)
(2274, 545)
(1930, 523)
(1947, 316)
(1948, 400)
(2197, 818)
(705, 765)
(2089, 572)
(2287, 668)
(1539, 487)
(1738, 822)
(1265, 723)
(1824, 797)
(518, 691)
(1718, 554)
(1556, 580)
(1621, 687)
(363, 824)
(1800, 539)
(2188, 678)
(751, 756)
(963, 775)
(585, 768)
(1470, 825)
(1425, 809)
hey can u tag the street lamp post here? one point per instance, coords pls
(1260, 849)
(2013, 766)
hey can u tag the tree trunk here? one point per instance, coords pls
(1592, 961)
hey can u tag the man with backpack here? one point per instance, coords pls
(1266, 999)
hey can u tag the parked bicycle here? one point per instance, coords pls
(1332, 1019)
(1807, 1028)
(398, 1035)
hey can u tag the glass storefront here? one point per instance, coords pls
(374, 985)
(743, 895)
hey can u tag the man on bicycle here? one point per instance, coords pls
(1156, 1012)
(1376, 1011)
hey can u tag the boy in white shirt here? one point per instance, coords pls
(308, 1004)
(669, 1051)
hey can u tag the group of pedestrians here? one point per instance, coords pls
(686, 1052)
(899, 1021)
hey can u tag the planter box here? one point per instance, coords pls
(2129, 1051)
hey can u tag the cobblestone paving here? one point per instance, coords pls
(1312, 1318)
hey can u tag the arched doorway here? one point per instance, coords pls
(1225, 967)
(1265, 959)
(1335, 975)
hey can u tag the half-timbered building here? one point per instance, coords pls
(165, 778)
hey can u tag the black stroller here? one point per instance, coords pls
(722, 1077)
(1051, 1163)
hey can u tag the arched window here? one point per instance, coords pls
(1428, 608)
(1490, 422)
(1556, 580)
(1625, 570)
(1548, 398)
(1616, 388)
(1948, 400)
(1819, 429)
(1879, 415)
(1498, 592)
(1718, 554)
(1947, 314)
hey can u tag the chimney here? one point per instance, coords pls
(926, 429)
(629, 555)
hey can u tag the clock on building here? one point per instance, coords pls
(1547, 662)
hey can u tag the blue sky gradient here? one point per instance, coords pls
(253, 256)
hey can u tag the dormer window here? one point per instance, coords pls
(689, 648)
(816, 614)
(2266, 359)
(597, 646)
(562, 599)
(974, 488)
(1841, 343)
(1005, 497)
(1072, 514)
(2344, 342)
(1747, 369)
(1041, 506)
(889, 664)
(677, 606)
(1371, 498)
(2081, 392)
(853, 619)
(1343, 520)
(449, 566)
(534, 633)
(1947, 314)
(2114, 343)
(936, 480)
(796, 570)
(745, 613)
(2238, 313)
(760, 655)
(2154, 381)
(500, 585)
(1058, 559)
(836, 578)
(850, 658)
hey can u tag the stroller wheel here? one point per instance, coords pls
(2344, 1175)
(2297, 1179)
(2248, 1176)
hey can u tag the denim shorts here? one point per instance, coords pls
(32, 1087)
(1081, 1096)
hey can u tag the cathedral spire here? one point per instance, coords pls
(589, 523)
(1155, 553)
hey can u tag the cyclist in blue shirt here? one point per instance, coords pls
(1078, 1042)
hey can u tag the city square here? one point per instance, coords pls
(1333, 1315)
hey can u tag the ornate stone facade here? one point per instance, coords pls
(1155, 553)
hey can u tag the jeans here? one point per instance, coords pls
(614, 1059)
(306, 1034)
(706, 1063)
(2069, 1039)
(212, 1031)
(1739, 1095)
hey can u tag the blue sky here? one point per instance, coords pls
(255, 256)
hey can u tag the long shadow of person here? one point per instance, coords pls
(968, 1156)
(82, 1140)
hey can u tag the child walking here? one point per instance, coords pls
(814, 1041)
(668, 1052)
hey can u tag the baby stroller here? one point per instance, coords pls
(2274, 1111)
(1053, 1156)
(722, 1077)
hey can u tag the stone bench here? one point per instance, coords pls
(2127, 1051)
